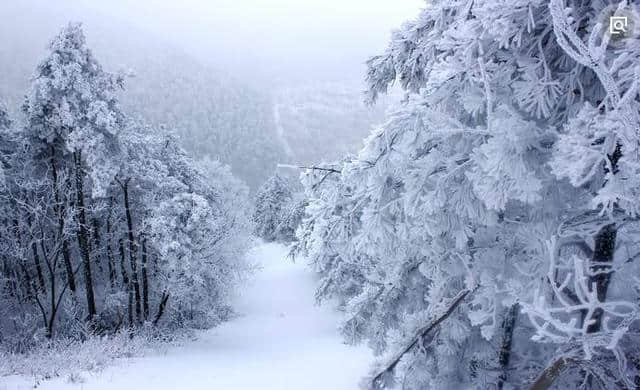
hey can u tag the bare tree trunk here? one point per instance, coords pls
(132, 248)
(508, 325)
(110, 261)
(130, 306)
(83, 236)
(123, 268)
(145, 280)
(53, 310)
(550, 374)
(125, 281)
(38, 264)
(95, 225)
(605, 246)
(59, 209)
(161, 307)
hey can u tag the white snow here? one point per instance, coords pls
(281, 341)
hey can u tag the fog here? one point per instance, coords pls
(194, 194)
(251, 83)
(282, 39)
(279, 41)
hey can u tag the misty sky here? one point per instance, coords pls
(264, 42)
(281, 39)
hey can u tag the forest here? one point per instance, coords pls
(485, 234)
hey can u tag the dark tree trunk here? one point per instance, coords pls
(34, 250)
(508, 326)
(123, 267)
(97, 244)
(145, 281)
(605, 246)
(52, 315)
(132, 248)
(83, 236)
(161, 307)
(545, 380)
(38, 264)
(602, 260)
(603, 254)
(125, 282)
(130, 307)
(110, 263)
(59, 208)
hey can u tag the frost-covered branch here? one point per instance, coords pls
(312, 168)
(422, 335)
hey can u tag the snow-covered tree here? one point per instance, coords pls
(232, 197)
(485, 235)
(293, 213)
(157, 235)
(72, 123)
(5, 140)
(72, 109)
(271, 204)
(200, 232)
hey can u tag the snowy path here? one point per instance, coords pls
(281, 341)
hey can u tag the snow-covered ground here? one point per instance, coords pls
(281, 341)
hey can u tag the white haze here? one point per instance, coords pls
(251, 83)
(276, 41)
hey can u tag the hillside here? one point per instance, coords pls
(249, 127)
(214, 114)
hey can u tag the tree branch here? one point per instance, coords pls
(549, 375)
(378, 381)
(313, 168)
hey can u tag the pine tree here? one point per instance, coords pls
(506, 184)
(159, 237)
(271, 202)
(6, 141)
(72, 123)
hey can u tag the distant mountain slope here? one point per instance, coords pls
(324, 121)
(250, 128)
(214, 114)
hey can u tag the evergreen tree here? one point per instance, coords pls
(293, 213)
(72, 123)
(271, 201)
(6, 138)
(481, 230)
(159, 237)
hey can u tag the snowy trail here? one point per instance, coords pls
(281, 341)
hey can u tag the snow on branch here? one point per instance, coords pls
(384, 376)
(558, 321)
(590, 55)
(312, 168)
